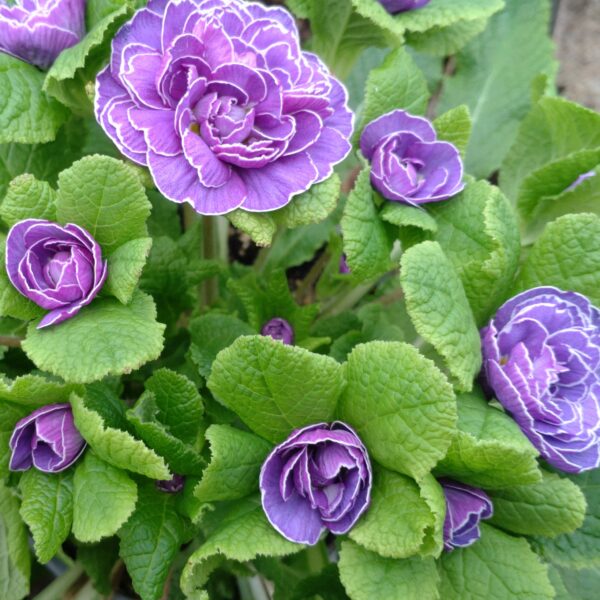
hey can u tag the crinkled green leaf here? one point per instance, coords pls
(398, 519)
(150, 540)
(275, 388)
(236, 459)
(125, 267)
(566, 255)
(76, 65)
(105, 338)
(489, 449)
(397, 83)
(440, 311)
(455, 127)
(104, 497)
(552, 506)
(478, 232)
(28, 198)
(494, 74)
(496, 567)
(15, 560)
(27, 114)
(260, 227)
(104, 196)
(401, 406)
(116, 446)
(580, 584)
(555, 128)
(211, 333)
(242, 534)
(581, 549)
(364, 573)
(47, 508)
(367, 241)
(313, 206)
(405, 215)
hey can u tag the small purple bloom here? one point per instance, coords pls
(217, 98)
(466, 506)
(37, 31)
(541, 356)
(396, 6)
(318, 479)
(279, 329)
(171, 486)
(47, 440)
(408, 163)
(344, 269)
(59, 268)
(580, 180)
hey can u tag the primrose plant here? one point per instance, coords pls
(299, 299)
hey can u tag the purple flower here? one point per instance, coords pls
(408, 164)
(466, 506)
(279, 329)
(344, 269)
(37, 31)
(171, 486)
(541, 355)
(47, 440)
(219, 101)
(318, 479)
(396, 6)
(59, 268)
(580, 180)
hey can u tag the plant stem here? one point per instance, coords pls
(346, 299)
(210, 250)
(312, 277)
(12, 341)
(61, 585)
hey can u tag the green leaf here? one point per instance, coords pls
(552, 506)
(211, 333)
(27, 114)
(397, 83)
(401, 406)
(367, 242)
(77, 65)
(150, 540)
(12, 303)
(275, 388)
(242, 534)
(496, 567)
(567, 256)
(98, 561)
(398, 519)
(260, 227)
(478, 232)
(405, 215)
(455, 127)
(440, 311)
(47, 508)
(554, 129)
(104, 196)
(115, 446)
(28, 198)
(494, 74)
(581, 549)
(20, 397)
(125, 266)
(105, 338)
(313, 206)
(15, 560)
(489, 449)
(237, 457)
(580, 584)
(104, 497)
(362, 572)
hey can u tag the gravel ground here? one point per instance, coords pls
(577, 35)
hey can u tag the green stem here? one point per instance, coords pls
(61, 585)
(12, 341)
(316, 557)
(210, 250)
(263, 254)
(346, 299)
